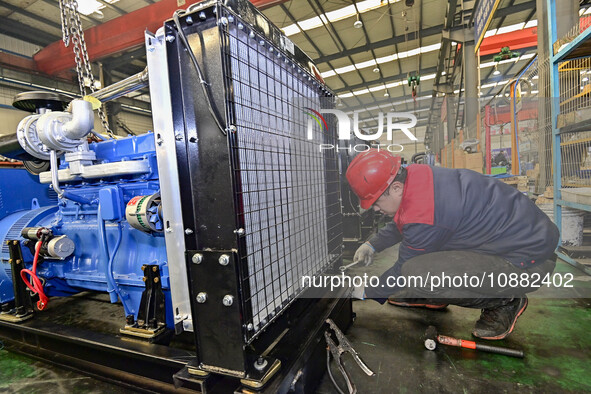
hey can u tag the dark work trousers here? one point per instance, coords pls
(469, 279)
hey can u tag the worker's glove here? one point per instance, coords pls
(364, 254)
(358, 293)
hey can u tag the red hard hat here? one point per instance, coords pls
(370, 174)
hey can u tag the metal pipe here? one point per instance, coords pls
(123, 87)
(55, 183)
(81, 123)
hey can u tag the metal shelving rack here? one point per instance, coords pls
(578, 48)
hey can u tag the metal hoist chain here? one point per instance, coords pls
(72, 31)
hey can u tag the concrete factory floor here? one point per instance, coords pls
(554, 333)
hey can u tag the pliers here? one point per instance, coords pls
(337, 351)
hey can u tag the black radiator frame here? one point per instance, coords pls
(208, 187)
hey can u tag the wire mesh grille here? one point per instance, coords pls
(289, 189)
(541, 135)
(575, 110)
(533, 118)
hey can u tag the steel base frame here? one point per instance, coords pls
(147, 367)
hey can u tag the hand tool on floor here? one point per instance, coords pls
(337, 351)
(343, 268)
(432, 337)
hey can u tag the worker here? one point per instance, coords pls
(453, 223)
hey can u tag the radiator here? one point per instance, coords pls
(287, 188)
(258, 194)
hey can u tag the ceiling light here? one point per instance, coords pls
(87, 7)
(496, 72)
(376, 70)
(358, 24)
(386, 94)
(585, 79)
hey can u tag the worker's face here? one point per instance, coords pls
(390, 200)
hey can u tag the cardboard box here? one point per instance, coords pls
(477, 169)
(459, 158)
(473, 160)
(549, 192)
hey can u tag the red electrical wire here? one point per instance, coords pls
(36, 287)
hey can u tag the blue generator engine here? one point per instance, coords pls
(104, 234)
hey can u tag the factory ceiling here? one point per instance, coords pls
(365, 49)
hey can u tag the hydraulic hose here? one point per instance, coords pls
(105, 250)
(112, 288)
(123, 296)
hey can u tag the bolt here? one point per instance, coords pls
(151, 48)
(170, 38)
(18, 261)
(188, 231)
(15, 242)
(202, 15)
(156, 280)
(19, 311)
(189, 20)
(154, 269)
(228, 300)
(240, 231)
(143, 267)
(144, 279)
(224, 260)
(178, 137)
(250, 327)
(260, 364)
(232, 129)
(201, 297)
(430, 344)
(197, 258)
(159, 141)
(224, 20)
(168, 230)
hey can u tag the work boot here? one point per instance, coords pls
(415, 303)
(497, 323)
